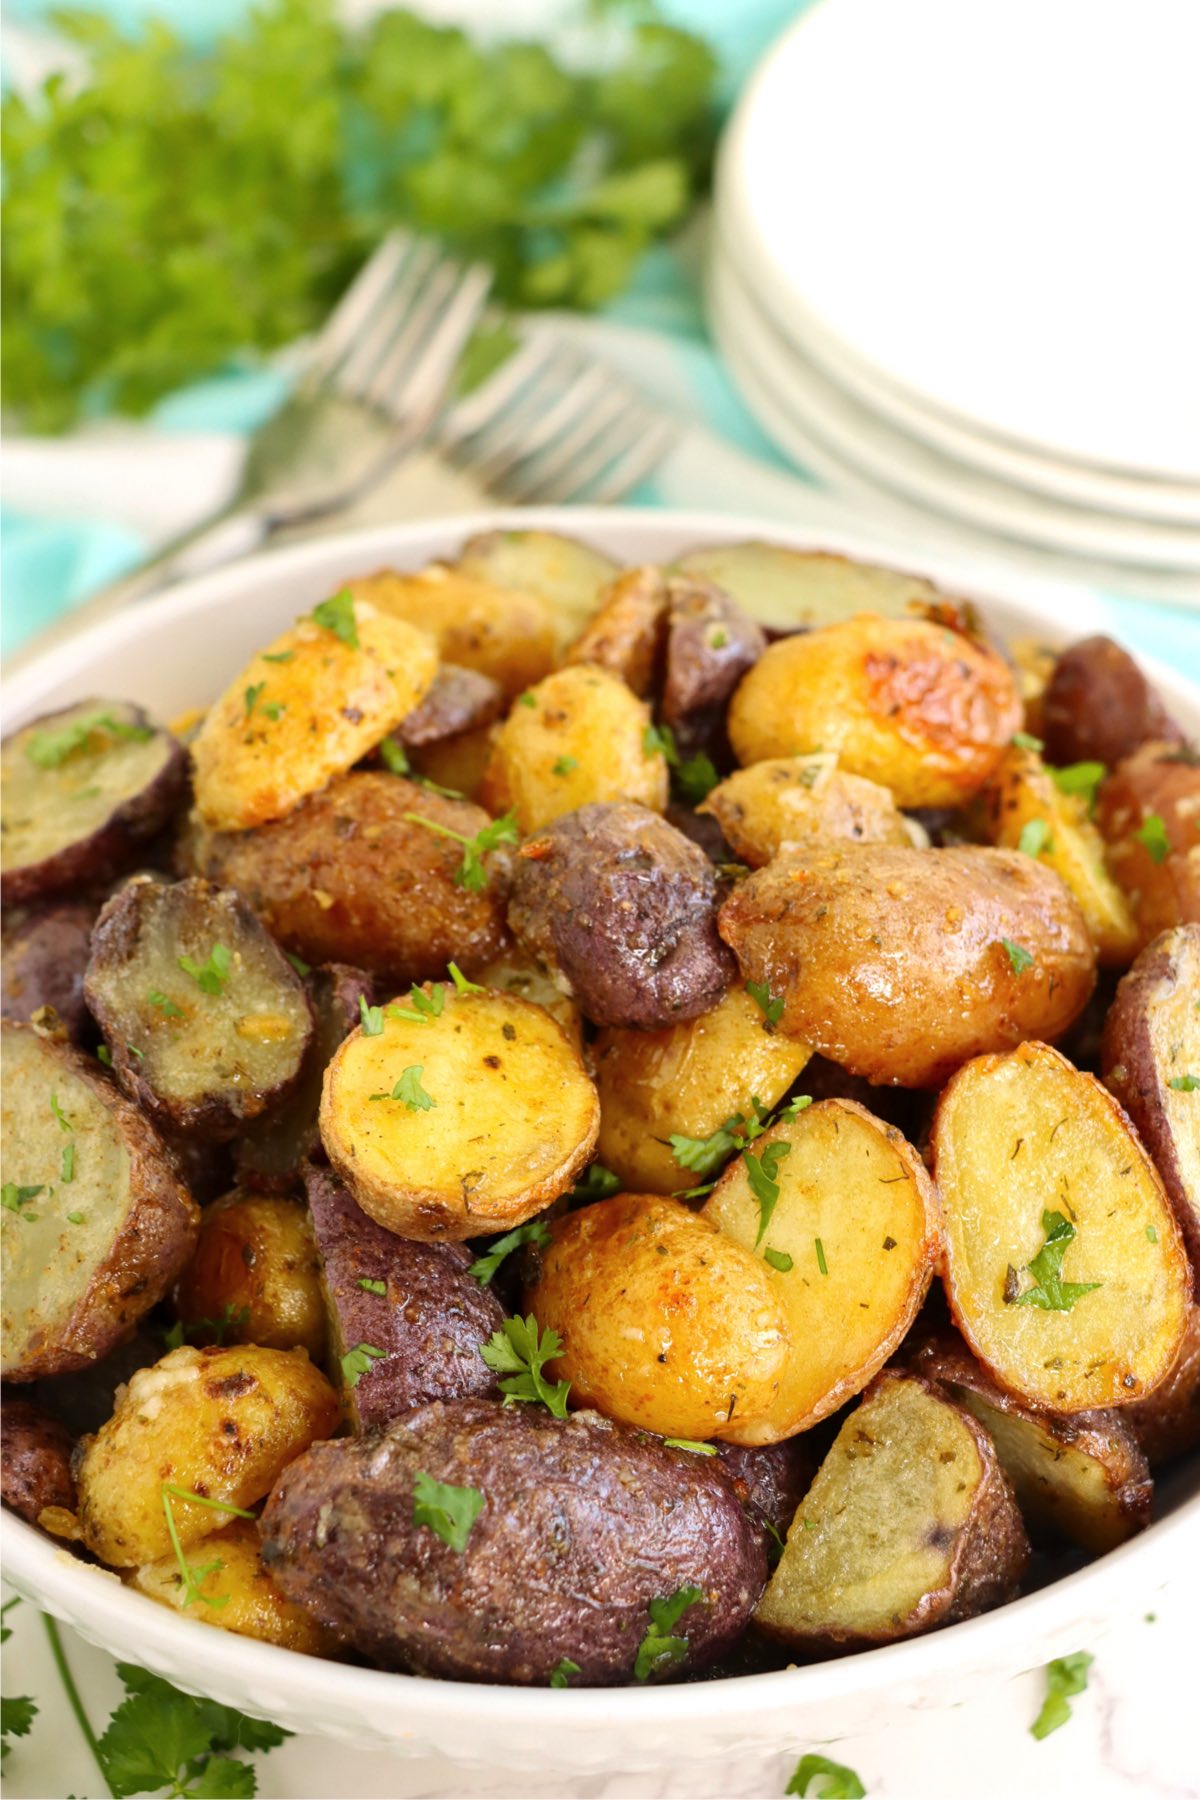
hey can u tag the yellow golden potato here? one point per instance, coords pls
(236, 1593)
(255, 1276)
(626, 633)
(515, 972)
(787, 801)
(499, 631)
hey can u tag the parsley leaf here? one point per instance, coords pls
(1025, 741)
(564, 1668)
(337, 615)
(298, 963)
(13, 1198)
(210, 977)
(762, 1173)
(166, 1007)
(564, 764)
(471, 872)
(692, 1444)
(17, 1713)
(659, 740)
(1151, 834)
(484, 1267)
(409, 1090)
(159, 1737)
(1018, 956)
(1034, 838)
(778, 1260)
(448, 1510)
(515, 1352)
(50, 749)
(1080, 778)
(370, 1017)
(251, 697)
(67, 1166)
(659, 1650)
(694, 779)
(770, 1005)
(461, 984)
(369, 1285)
(357, 1362)
(596, 1183)
(837, 1782)
(394, 757)
(1184, 1084)
(59, 1114)
(821, 1263)
(1051, 1293)
(1066, 1676)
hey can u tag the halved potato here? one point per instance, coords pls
(1082, 1477)
(909, 1524)
(627, 633)
(255, 1276)
(852, 1237)
(711, 642)
(565, 573)
(1167, 1422)
(96, 1223)
(787, 801)
(501, 632)
(306, 709)
(236, 1592)
(686, 1080)
(666, 1324)
(783, 587)
(1099, 707)
(1148, 811)
(1064, 1267)
(461, 1124)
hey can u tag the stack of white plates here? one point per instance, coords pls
(956, 272)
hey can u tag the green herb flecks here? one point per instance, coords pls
(1151, 834)
(762, 1172)
(517, 1352)
(337, 615)
(1035, 837)
(563, 1670)
(50, 749)
(408, 1090)
(1050, 1292)
(1019, 958)
(357, 1362)
(472, 871)
(1066, 1676)
(484, 1267)
(835, 1781)
(210, 977)
(660, 1650)
(449, 1511)
(770, 1005)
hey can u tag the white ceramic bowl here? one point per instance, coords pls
(179, 651)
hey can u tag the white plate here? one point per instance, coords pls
(909, 467)
(178, 651)
(992, 205)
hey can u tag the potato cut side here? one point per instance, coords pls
(627, 633)
(236, 1594)
(856, 1214)
(307, 708)
(686, 1081)
(561, 571)
(787, 801)
(1167, 1422)
(501, 632)
(459, 1124)
(96, 1222)
(783, 587)
(910, 1523)
(1047, 1191)
(516, 973)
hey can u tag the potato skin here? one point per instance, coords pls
(711, 643)
(250, 1603)
(501, 632)
(1160, 780)
(222, 1423)
(666, 1324)
(770, 1481)
(892, 962)
(627, 633)
(1151, 1037)
(923, 711)
(1166, 1422)
(256, 1265)
(431, 1323)
(621, 907)
(547, 1571)
(787, 801)
(347, 878)
(1099, 707)
(459, 700)
(35, 1459)
(45, 955)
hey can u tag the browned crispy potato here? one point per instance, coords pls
(658, 958)
(787, 588)
(304, 710)
(462, 1124)
(45, 954)
(236, 1592)
(1150, 1059)
(1047, 1192)
(665, 1323)
(910, 1523)
(459, 700)
(560, 571)
(218, 1423)
(1148, 811)
(578, 737)
(627, 633)
(350, 877)
(849, 1242)
(205, 1019)
(99, 1223)
(255, 1277)
(515, 972)
(687, 1080)
(922, 710)
(35, 1459)
(1023, 808)
(1167, 1422)
(787, 802)
(1099, 707)
(497, 631)
(83, 789)
(1082, 1477)
(900, 963)
(711, 643)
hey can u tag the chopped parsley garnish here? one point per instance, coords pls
(692, 1444)
(1184, 1084)
(166, 1007)
(159, 1738)
(298, 963)
(596, 1183)
(448, 1510)
(67, 1168)
(337, 615)
(59, 1114)
(1051, 1293)
(192, 1576)
(484, 1267)
(409, 1090)
(564, 765)
(659, 1650)
(1152, 1233)
(1024, 740)
(762, 1173)
(1034, 838)
(563, 1670)
(357, 1362)
(769, 1004)
(229, 1320)
(516, 1352)
(837, 1782)
(1018, 956)
(13, 1198)
(779, 1260)
(370, 1017)
(17, 1713)
(370, 1286)
(251, 696)
(527, 699)
(134, 1051)
(659, 740)
(222, 1506)
(104, 1055)
(461, 984)
(1151, 834)
(693, 779)
(75, 1218)
(210, 977)
(394, 757)
(50, 749)
(278, 656)
(471, 872)
(1066, 1676)
(821, 1263)
(1080, 778)
(703, 1155)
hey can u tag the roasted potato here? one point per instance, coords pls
(578, 737)
(1036, 1163)
(206, 1021)
(42, 963)
(1150, 1059)
(1081, 1477)
(1166, 1423)
(515, 972)
(218, 1424)
(686, 1081)
(1098, 706)
(306, 709)
(460, 1124)
(900, 964)
(350, 876)
(1023, 808)
(710, 645)
(770, 1480)
(235, 1592)
(83, 789)
(96, 1222)
(790, 588)
(848, 1241)
(424, 1316)
(913, 706)
(621, 908)
(85, 1398)
(499, 632)
(255, 1276)
(910, 1523)
(456, 765)
(547, 1577)
(565, 574)
(1148, 811)
(665, 1323)
(35, 1459)
(790, 802)
(459, 700)
(627, 633)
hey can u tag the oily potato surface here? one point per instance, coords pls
(785, 802)
(236, 1592)
(900, 964)
(499, 632)
(254, 1277)
(1148, 812)
(1028, 1151)
(35, 1458)
(1098, 706)
(304, 710)
(918, 708)
(497, 1120)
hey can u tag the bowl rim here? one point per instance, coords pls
(49, 1576)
